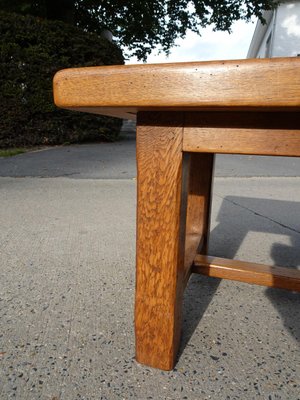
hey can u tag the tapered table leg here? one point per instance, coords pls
(160, 238)
(200, 180)
(200, 196)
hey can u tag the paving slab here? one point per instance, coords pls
(67, 270)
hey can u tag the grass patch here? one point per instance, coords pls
(11, 152)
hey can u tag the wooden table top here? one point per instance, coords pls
(122, 91)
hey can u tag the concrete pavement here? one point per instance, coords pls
(67, 250)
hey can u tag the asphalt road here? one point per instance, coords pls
(117, 161)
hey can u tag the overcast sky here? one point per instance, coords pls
(210, 46)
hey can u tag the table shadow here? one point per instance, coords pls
(236, 218)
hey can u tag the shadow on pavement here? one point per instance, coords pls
(226, 239)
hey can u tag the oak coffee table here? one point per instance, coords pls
(186, 113)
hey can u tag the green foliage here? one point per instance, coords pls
(140, 26)
(11, 152)
(31, 51)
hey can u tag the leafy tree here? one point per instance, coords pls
(139, 25)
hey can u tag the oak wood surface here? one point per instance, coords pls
(160, 239)
(259, 274)
(261, 133)
(198, 207)
(252, 84)
(243, 106)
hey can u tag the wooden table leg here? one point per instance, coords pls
(201, 166)
(200, 196)
(160, 238)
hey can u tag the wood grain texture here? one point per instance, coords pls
(198, 207)
(120, 112)
(160, 239)
(264, 133)
(252, 84)
(259, 274)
